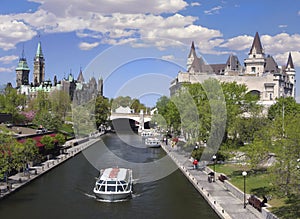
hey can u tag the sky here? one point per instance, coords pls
(137, 46)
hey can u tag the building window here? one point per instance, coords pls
(253, 69)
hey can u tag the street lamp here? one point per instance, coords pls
(214, 159)
(244, 173)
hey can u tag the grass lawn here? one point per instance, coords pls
(257, 182)
(67, 128)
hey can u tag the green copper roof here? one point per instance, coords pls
(22, 65)
(39, 52)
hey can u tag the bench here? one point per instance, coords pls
(256, 203)
(222, 178)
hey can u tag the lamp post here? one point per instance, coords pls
(214, 159)
(244, 173)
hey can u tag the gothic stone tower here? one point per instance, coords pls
(39, 66)
(22, 71)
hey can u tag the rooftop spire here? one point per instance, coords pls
(290, 63)
(192, 52)
(39, 52)
(23, 53)
(256, 45)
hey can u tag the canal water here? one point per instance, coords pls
(66, 191)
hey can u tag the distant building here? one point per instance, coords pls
(260, 73)
(78, 88)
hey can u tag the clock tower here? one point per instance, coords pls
(39, 66)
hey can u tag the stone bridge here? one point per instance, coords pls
(139, 118)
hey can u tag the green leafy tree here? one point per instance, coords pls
(60, 103)
(6, 155)
(287, 150)
(48, 142)
(102, 110)
(283, 107)
(31, 151)
(84, 119)
(120, 101)
(12, 102)
(48, 120)
(60, 138)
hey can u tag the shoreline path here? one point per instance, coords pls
(17, 181)
(225, 204)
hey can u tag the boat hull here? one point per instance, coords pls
(112, 196)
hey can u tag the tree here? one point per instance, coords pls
(84, 119)
(60, 138)
(60, 103)
(283, 107)
(120, 101)
(287, 150)
(102, 110)
(48, 120)
(12, 102)
(48, 142)
(41, 102)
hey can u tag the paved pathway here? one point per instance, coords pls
(220, 199)
(15, 182)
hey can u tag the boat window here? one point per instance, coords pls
(120, 188)
(97, 187)
(102, 188)
(111, 182)
(111, 188)
(123, 182)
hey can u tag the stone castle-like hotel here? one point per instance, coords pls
(260, 73)
(77, 89)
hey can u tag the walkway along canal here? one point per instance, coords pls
(220, 196)
(19, 180)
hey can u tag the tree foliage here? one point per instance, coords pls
(12, 102)
(48, 142)
(102, 110)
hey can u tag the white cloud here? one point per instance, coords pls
(238, 43)
(280, 43)
(6, 70)
(88, 46)
(282, 58)
(168, 57)
(131, 21)
(8, 59)
(282, 26)
(12, 32)
(195, 4)
(299, 13)
(81, 8)
(214, 10)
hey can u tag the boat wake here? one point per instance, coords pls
(92, 196)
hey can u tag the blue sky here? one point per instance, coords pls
(157, 36)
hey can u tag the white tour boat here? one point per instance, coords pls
(114, 184)
(153, 142)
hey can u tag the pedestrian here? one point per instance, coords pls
(195, 163)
